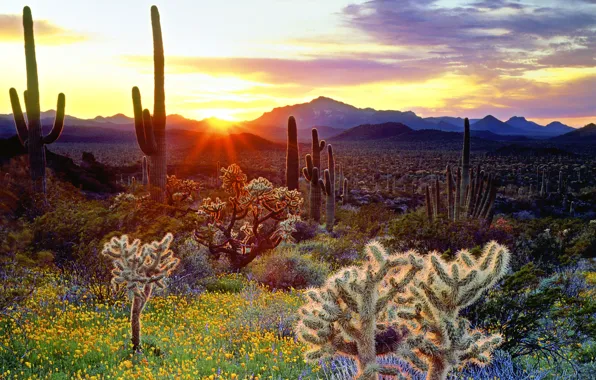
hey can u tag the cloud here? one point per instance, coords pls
(312, 72)
(498, 34)
(46, 33)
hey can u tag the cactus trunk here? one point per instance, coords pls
(292, 157)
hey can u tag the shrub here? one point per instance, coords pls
(286, 268)
(195, 269)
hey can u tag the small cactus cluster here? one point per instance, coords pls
(470, 195)
(29, 131)
(137, 269)
(312, 173)
(406, 305)
(151, 130)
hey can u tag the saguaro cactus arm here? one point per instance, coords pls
(58, 121)
(143, 125)
(19, 118)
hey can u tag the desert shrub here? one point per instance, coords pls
(277, 315)
(286, 268)
(228, 283)
(195, 269)
(413, 230)
(305, 230)
(548, 317)
(337, 252)
(368, 220)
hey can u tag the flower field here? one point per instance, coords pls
(216, 335)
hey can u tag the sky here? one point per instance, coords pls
(236, 59)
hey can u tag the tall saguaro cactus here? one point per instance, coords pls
(151, 130)
(328, 187)
(312, 177)
(471, 194)
(30, 131)
(292, 158)
(311, 173)
(465, 162)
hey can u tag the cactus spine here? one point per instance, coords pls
(314, 162)
(328, 187)
(441, 338)
(348, 315)
(151, 130)
(30, 131)
(292, 157)
(138, 269)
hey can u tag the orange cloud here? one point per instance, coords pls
(46, 33)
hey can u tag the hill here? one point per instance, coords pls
(585, 135)
(494, 125)
(534, 129)
(371, 132)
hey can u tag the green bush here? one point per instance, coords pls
(286, 268)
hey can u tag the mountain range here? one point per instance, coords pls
(329, 116)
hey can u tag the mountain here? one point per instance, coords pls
(372, 132)
(559, 128)
(494, 125)
(584, 135)
(534, 129)
(446, 123)
(329, 112)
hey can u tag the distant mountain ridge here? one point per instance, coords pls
(329, 115)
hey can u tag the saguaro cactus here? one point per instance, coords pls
(348, 316)
(465, 163)
(311, 173)
(328, 188)
(138, 269)
(30, 131)
(471, 194)
(292, 157)
(315, 190)
(145, 171)
(151, 130)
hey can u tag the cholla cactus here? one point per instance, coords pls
(138, 269)
(406, 305)
(180, 191)
(267, 214)
(349, 315)
(440, 339)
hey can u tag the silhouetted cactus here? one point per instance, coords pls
(312, 176)
(470, 195)
(328, 187)
(345, 192)
(138, 269)
(30, 131)
(151, 130)
(144, 170)
(349, 314)
(292, 156)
